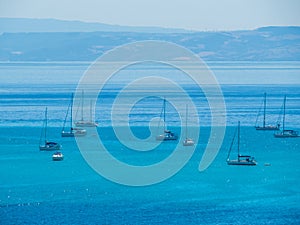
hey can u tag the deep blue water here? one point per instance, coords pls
(36, 190)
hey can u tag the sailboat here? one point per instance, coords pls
(167, 135)
(48, 145)
(82, 122)
(285, 133)
(188, 141)
(241, 160)
(73, 131)
(264, 126)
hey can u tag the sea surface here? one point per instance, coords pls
(36, 190)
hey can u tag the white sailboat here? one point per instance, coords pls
(188, 141)
(241, 160)
(73, 131)
(285, 133)
(82, 122)
(264, 126)
(167, 135)
(46, 145)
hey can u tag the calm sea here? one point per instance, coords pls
(36, 190)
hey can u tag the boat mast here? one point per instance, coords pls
(91, 119)
(46, 111)
(82, 101)
(238, 142)
(66, 117)
(283, 119)
(164, 114)
(71, 113)
(186, 115)
(265, 103)
(232, 142)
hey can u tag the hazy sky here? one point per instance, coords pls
(189, 14)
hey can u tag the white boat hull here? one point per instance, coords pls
(287, 134)
(188, 142)
(74, 133)
(86, 124)
(267, 128)
(57, 156)
(241, 162)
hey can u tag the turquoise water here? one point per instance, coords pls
(36, 190)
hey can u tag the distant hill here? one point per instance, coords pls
(17, 25)
(263, 44)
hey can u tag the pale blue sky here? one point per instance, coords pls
(188, 14)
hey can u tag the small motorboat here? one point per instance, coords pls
(57, 156)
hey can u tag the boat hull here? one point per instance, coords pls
(241, 163)
(166, 138)
(50, 146)
(267, 128)
(58, 156)
(67, 134)
(77, 133)
(86, 124)
(287, 134)
(188, 142)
